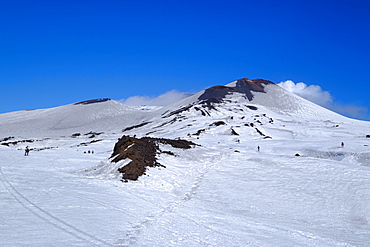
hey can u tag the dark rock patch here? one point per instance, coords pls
(135, 126)
(16, 142)
(92, 101)
(216, 94)
(218, 123)
(367, 136)
(204, 112)
(199, 132)
(94, 133)
(168, 122)
(41, 149)
(233, 132)
(6, 139)
(142, 153)
(259, 132)
(245, 86)
(87, 143)
(186, 108)
(75, 134)
(149, 133)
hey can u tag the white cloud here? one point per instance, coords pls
(315, 94)
(162, 100)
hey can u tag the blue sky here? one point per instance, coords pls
(59, 52)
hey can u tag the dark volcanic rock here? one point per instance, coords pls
(6, 139)
(92, 101)
(142, 153)
(216, 94)
(233, 132)
(16, 142)
(246, 86)
(254, 108)
(218, 123)
(135, 126)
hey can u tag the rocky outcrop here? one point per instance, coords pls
(142, 153)
(92, 101)
(245, 86)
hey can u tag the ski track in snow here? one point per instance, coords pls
(137, 230)
(48, 217)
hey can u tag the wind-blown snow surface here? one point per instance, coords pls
(222, 193)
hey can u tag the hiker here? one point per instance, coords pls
(258, 148)
(342, 144)
(26, 151)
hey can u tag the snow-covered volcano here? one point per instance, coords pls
(104, 115)
(243, 106)
(99, 115)
(300, 188)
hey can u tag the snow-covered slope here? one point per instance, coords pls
(96, 116)
(257, 109)
(300, 189)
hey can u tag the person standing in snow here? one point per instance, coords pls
(258, 148)
(342, 144)
(26, 151)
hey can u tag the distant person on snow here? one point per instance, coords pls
(258, 148)
(26, 151)
(342, 144)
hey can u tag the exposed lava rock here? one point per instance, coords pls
(216, 94)
(254, 108)
(186, 108)
(199, 132)
(135, 126)
(246, 86)
(142, 153)
(218, 123)
(233, 132)
(87, 143)
(6, 139)
(92, 101)
(94, 133)
(259, 132)
(204, 112)
(16, 142)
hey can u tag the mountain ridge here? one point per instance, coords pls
(109, 115)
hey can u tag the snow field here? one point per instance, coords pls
(220, 193)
